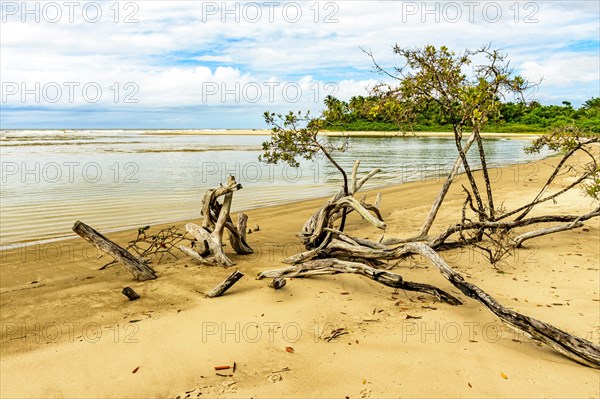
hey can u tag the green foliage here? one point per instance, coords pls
(440, 90)
(387, 111)
(568, 139)
(563, 139)
(592, 188)
(293, 136)
(511, 118)
(361, 125)
(449, 88)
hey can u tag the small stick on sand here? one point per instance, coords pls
(225, 285)
(277, 283)
(130, 293)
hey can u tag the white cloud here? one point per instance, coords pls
(176, 47)
(563, 70)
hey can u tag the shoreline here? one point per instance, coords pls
(267, 132)
(554, 279)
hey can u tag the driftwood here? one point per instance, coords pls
(278, 283)
(130, 293)
(139, 269)
(210, 207)
(225, 285)
(237, 235)
(213, 244)
(330, 250)
(315, 231)
(422, 235)
(574, 347)
(216, 219)
(547, 230)
(335, 266)
(356, 184)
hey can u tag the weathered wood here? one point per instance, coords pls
(554, 174)
(507, 225)
(518, 241)
(578, 349)
(216, 255)
(237, 235)
(486, 177)
(469, 173)
(574, 347)
(327, 215)
(216, 219)
(130, 293)
(198, 257)
(435, 207)
(331, 251)
(443, 191)
(354, 174)
(301, 257)
(333, 266)
(209, 201)
(225, 285)
(242, 224)
(277, 283)
(139, 269)
(377, 203)
(355, 186)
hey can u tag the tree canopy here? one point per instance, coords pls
(437, 89)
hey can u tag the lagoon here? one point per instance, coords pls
(118, 179)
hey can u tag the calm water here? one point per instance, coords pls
(120, 179)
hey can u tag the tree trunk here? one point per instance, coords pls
(576, 348)
(140, 270)
(209, 201)
(216, 256)
(355, 185)
(440, 198)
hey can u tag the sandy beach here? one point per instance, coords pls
(67, 331)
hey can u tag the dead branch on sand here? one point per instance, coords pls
(216, 220)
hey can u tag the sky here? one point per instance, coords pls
(213, 64)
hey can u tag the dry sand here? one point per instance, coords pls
(73, 334)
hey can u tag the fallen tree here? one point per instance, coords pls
(574, 347)
(437, 79)
(140, 270)
(332, 251)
